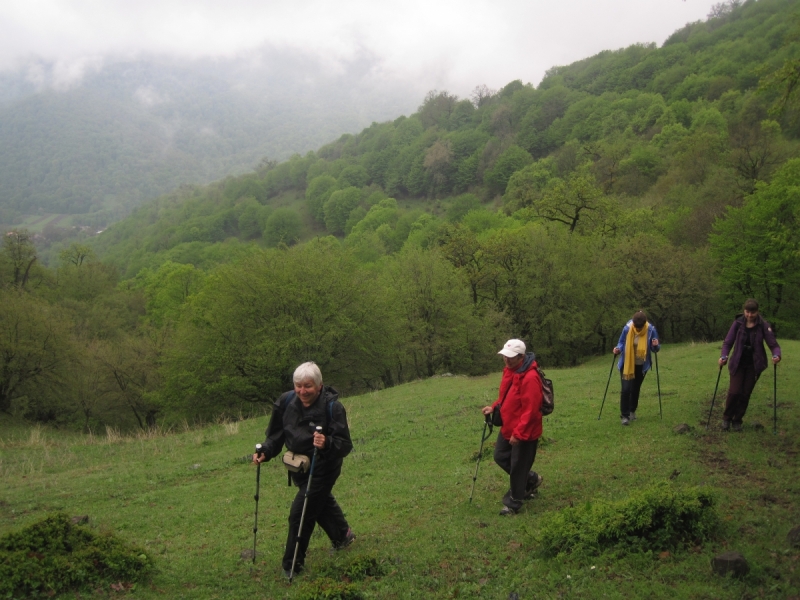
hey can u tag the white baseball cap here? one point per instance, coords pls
(512, 348)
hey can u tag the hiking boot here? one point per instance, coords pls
(297, 570)
(626, 421)
(533, 486)
(726, 425)
(507, 511)
(349, 538)
(633, 416)
(736, 427)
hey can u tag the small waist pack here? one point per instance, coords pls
(296, 463)
(497, 420)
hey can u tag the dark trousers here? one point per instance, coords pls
(743, 380)
(517, 461)
(322, 508)
(629, 396)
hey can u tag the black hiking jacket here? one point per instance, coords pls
(290, 425)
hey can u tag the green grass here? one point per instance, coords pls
(187, 497)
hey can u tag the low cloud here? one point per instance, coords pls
(148, 96)
(445, 43)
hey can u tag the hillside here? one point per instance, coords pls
(129, 131)
(187, 496)
(417, 246)
(681, 131)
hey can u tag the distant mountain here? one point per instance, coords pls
(129, 131)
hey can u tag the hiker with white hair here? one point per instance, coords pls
(312, 423)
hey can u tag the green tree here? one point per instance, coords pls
(132, 365)
(758, 246)
(353, 176)
(576, 200)
(527, 186)
(509, 162)
(167, 290)
(255, 320)
(252, 219)
(18, 257)
(76, 254)
(35, 350)
(437, 326)
(318, 192)
(338, 208)
(461, 205)
(283, 226)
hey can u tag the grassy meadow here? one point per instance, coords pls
(186, 496)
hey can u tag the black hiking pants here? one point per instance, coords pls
(321, 509)
(629, 396)
(517, 461)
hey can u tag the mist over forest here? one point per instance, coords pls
(98, 142)
(657, 178)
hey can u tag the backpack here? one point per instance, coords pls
(548, 396)
(548, 400)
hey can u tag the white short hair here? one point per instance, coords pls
(308, 371)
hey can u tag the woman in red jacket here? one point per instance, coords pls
(520, 402)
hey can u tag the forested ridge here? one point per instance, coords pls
(665, 178)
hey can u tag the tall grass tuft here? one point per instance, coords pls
(113, 435)
(36, 437)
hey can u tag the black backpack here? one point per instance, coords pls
(548, 396)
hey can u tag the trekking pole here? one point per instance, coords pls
(658, 383)
(303, 514)
(774, 398)
(714, 396)
(484, 436)
(613, 359)
(258, 484)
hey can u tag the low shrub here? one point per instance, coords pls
(656, 518)
(54, 556)
(362, 567)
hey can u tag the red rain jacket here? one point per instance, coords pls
(522, 407)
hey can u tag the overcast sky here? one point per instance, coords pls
(444, 44)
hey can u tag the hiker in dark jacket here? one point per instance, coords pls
(294, 417)
(746, 336)
(520, 402)
(638, 337)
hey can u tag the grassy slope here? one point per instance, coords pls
(188, 497)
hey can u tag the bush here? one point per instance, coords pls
(653, 519)
(54, 556)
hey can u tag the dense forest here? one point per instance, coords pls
(664, 178)
(129, 131)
